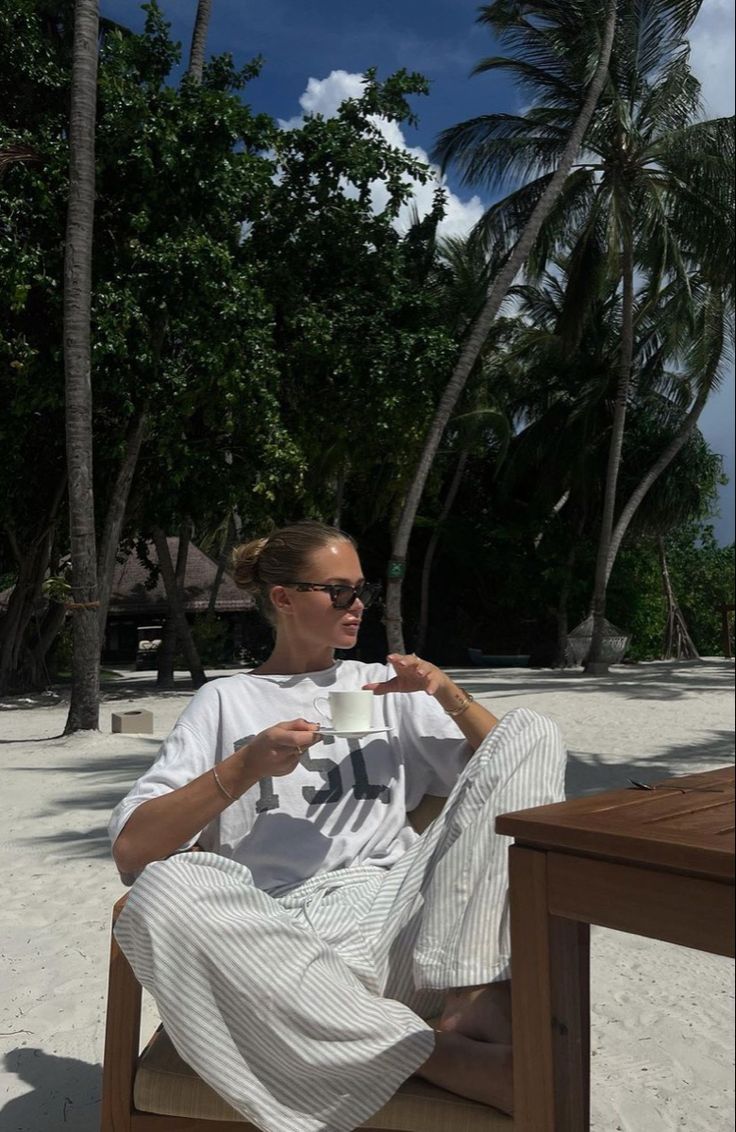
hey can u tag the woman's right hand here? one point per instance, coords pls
(277, 750)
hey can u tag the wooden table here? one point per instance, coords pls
(657, 862)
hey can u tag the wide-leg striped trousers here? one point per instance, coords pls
(305, 1011)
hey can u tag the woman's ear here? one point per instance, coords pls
(281, 599)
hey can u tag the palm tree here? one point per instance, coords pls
(547, 26)
(85, 694)
(654, 193)
(199, 40)
(570, 370)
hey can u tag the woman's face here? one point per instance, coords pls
(311, 614)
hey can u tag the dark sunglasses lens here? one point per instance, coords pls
(368, 593)
(343, 597)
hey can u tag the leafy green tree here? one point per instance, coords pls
(357, 320)
(182, 349)
(703, 578)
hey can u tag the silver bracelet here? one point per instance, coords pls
(223, 789)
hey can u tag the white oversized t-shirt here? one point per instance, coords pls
(346, 801)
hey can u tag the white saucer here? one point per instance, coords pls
(354, 734)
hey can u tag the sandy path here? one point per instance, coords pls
(662, 1015)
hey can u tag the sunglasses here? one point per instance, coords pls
(342, 596)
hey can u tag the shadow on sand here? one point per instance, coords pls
(65, 1093)
(587, 773)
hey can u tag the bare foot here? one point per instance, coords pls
(481, 1071)
(481, 1012)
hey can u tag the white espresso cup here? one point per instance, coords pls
(348, 711)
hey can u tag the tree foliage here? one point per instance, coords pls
(280, 343)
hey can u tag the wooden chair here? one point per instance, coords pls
(155, 1091)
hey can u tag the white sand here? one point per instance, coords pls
(662, 1015)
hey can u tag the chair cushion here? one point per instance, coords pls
(166, 1085)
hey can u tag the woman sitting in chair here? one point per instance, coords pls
(297, 952)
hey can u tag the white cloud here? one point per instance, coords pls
(324, 96)
(712, 55)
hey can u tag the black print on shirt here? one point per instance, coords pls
(363, 789)
(333, 790)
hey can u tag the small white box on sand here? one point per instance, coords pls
(133, 722)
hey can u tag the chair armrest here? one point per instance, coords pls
(122, 1036)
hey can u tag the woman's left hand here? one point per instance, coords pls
(412, 675)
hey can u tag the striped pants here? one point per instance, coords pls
(305, 1011)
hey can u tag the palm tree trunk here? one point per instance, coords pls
(651, 476)
(199, 40)
(479, 332)
(84, 708)
(432, 547)
(116, 516)
(175, 598)
(678, 643)
(594, 664)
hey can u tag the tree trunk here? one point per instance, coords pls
(174, 596)
(594, 664)
(432, 547)
(651, 476)
(555, 511)
(32, 564)
(117, 506)
(563, 628)
(116, 516)
(170, 636)
(199, 40)
(340, 495)
(85, 694)
(478, 334)
(48, 631)
(678, 643)
(228, 542)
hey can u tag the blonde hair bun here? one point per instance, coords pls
(245, 563)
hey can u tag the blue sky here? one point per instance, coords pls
(315, 50)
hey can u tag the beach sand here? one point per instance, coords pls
(662, 1030)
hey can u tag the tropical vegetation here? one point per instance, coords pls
(507, 421)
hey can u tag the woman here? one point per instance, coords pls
(296, 954)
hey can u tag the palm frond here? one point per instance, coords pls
(672, 102)
(499, 149)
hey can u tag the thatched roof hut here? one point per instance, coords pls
(133, 596)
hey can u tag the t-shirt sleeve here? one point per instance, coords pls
(434, 751)
(186, 753)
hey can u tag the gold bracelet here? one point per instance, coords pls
(223, 789)
(469, 699)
